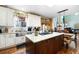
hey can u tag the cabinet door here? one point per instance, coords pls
(33, 20)
(17, 40)
(3, 16)
(10, 17)
(2, 41)
(58, 43)
(61, 41)
(29, 20)
(51, 45)
(37, 21)
(41, 47)
(20, 40)
(23, 39)
(10, 41)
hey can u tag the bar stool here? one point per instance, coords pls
(67, 40)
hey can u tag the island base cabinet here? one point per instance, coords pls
(29, 47)
(41, 47)
(50, 46)
(30, 50)
(56, 44)
(61, 42)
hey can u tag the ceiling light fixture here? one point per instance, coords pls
(62, 11)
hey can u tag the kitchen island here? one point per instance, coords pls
(44, 44)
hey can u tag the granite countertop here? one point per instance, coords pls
(38, 38)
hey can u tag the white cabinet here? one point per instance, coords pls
(6, 17)
(33, 20)
(2, 41)
(10, 40)
(20, 40)
(7, 40)
(29, 20)
(3, 16)
(37, 21)
(10, 17)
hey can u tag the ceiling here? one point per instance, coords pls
(47, 11)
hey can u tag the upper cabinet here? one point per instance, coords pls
(6, 16)
(10, 17)
(3, 15)
(33, 20)
(47, 22)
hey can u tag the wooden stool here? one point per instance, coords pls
(67, 40)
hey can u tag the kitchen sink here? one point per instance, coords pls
(44, 33)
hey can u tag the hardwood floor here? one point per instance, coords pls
(20, 51)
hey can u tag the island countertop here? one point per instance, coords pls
(39, 38)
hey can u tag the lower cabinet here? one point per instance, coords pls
(6, 41)
(10, 40)
(30, 49)
(2, 41)
(41, 47)
(52, 45)
(20, 40)
(56, 44)
(49, 46)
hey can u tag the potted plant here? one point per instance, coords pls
(36, 29)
